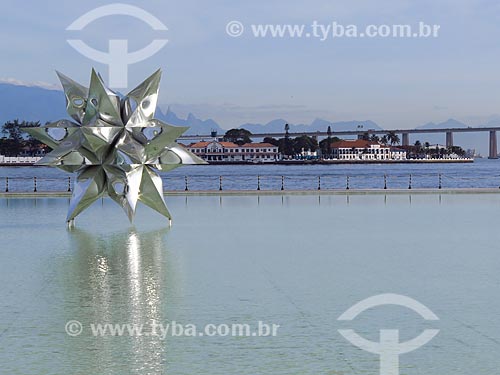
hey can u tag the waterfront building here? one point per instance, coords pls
(19, 160)
(308, 154)
(398, 154)
(218, 151)
(360, 149)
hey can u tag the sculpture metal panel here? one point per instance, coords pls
(115, 145)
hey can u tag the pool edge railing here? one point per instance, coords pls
(66, 194)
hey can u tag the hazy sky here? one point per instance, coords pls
(395, 82)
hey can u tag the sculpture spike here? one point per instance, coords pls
(76, 95)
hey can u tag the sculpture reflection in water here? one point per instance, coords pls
(116, 146)
(120, 278)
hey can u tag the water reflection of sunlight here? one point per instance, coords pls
(118, 280)
(134, 265)
(102, 264)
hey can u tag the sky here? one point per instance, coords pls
(396, 82)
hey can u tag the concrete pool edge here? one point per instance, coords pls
(55, 194)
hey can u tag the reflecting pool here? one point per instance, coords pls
(295, 261)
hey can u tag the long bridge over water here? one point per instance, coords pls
(405, 135)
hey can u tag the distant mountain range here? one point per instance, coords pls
(32, 103)
(278, 126)
(477, 141)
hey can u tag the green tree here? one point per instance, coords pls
(238, 136)
(456, 150)
(328, 150)
(12, 129)
(326, 145)
(304, 142)
(393, 138)
(418, 147)
(8, 147)
(271, 140)
(286, 146)
(15, 139)
(365, 137)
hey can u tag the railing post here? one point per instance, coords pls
(69, 184)
(34, 185)
(440, 182)
(319, 182)
(186, 187)
(258, 182)
(347, 182)
(6, 184)
(282, 182)
(409, 183)
(220, 182)
(385, 182)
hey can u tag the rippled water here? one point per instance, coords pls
(297, 261)
(483, 173)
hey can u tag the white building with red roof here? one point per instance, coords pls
(218, 151)
(360, 149)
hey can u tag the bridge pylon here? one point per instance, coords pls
(449, 139)
(493, 154)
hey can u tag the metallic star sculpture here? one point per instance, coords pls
(115, 146)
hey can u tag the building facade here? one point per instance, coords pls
(360, 150)
(28, 160)
(217, 151)
(398, 154)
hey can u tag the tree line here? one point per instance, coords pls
(286, 145)
(293, 146)
(15, 141)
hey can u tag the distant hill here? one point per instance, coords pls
(450, 123)
(196, 126)
(278, 126)
(33, 103)
(30, 103)
(478, 141)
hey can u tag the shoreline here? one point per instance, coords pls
(408, 161)
(347, 162)
(307, 162)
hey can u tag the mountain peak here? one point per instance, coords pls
(450, 123)
(454, 123)
(39, 84)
